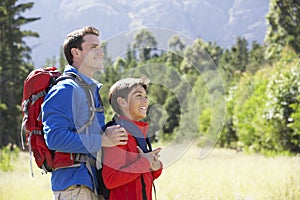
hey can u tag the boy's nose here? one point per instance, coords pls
(146, 99)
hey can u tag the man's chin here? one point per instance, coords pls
(99, 67)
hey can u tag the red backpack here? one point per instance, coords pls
(36, 86)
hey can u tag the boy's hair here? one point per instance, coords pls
(122, 88)
(75, 39)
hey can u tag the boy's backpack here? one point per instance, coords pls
(36, 86)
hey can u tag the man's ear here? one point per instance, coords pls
(74, 52)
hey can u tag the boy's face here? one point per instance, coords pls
(135, 108)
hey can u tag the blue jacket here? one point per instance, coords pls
(65, 109)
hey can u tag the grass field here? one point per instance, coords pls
(227, 174)
(223, 174)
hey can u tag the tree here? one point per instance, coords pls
(173, 109)
(284, 26)
(175, 55)
(144, 42)
(234, 61)
(176, 44)
(51, 61)
(283, 100)
(61, 60)
(256, 57)
(196, 57)
(248, 108)
(130, 58)
(14, 66)
(239, 54)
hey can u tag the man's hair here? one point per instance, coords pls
(75, 39)
(122, 88)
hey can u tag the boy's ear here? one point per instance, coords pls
(121, 101)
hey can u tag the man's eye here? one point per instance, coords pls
(96, 47)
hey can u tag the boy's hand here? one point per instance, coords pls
(152, 157)
(156, 165)
(113, 136)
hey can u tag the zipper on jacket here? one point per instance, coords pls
(143, 188)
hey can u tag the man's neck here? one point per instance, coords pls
(86, 72)
(83, 70)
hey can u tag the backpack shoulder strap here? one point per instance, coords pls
(89, 94)
(92, 109)
(144, 143)
(141, 140)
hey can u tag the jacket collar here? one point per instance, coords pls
(143, 126)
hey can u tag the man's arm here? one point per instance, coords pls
(58, 114)
(113, 136)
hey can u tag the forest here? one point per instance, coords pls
(244, 97)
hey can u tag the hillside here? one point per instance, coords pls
(212, 20)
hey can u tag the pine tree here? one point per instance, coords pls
(284, 26)
(144, 43)
(14, 66)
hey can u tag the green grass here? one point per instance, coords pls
(223, 174)
(7, 155)
(227, 174)
(20, 185)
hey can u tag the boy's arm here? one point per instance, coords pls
(116, 173)
(156, 164)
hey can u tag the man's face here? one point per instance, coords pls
(91, 55)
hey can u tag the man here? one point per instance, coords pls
(66, 114)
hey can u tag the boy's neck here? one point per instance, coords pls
(128, 118)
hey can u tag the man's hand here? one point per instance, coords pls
(152, 157)
(113, 136)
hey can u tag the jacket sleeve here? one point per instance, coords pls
(58, 123)
(116, 172)
(158, 172)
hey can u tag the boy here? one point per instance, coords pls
(129, 170)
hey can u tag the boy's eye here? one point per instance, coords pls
(140, 95)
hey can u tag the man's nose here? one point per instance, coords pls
(100, 52)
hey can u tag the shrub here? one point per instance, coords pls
(7, 155)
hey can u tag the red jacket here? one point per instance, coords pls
(123, 170)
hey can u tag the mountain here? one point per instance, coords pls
(221, 21)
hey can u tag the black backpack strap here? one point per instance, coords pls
(138, 135)
(149, 144)
(144, 143)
